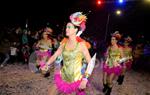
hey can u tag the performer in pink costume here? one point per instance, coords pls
(112, 67)
(44, 51)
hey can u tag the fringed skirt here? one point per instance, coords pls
(67, 87)
(112, 70)
(42, 57)
(43, 53)
(127, 65)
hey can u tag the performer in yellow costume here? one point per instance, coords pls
(69, 79)
(112, 68)
(127, 50)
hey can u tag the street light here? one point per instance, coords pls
(99, 2)
(148, 1)
(107, 24)
(118, 13)
(120, 1)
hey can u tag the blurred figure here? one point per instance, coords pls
(44, 51)
(5, 49)
(25, 46)
(127, 51)
(138, 53)
(112, 67)
(56, 44)
(13, 52)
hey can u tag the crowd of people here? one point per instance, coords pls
(18, 44)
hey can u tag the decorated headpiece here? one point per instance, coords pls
(128, 38)
(78, 19)
(117, 35)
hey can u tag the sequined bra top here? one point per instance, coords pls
(114, 56)
(45, 46)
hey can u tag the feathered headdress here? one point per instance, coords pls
(129, 39)
(78, 19)
(117, 35)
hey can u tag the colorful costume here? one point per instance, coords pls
(113, 56)
(69, 78)
(43, 53)
(127, 53)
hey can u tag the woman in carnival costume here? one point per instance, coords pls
(44, 51)
(69, 80)
(112, 67)
(127, 51)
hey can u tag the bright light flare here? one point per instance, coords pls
(99, 2)
(148, 1)
(118, 12)
(120, 1)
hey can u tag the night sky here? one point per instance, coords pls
(134, 20)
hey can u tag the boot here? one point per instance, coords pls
(47, 74)
(120, 79)
(108, 91)
(38, 66)
(105, 87)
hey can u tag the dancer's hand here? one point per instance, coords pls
(44, 68)
(116, 64)
(83, 84)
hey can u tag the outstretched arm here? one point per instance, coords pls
(55, 55)
(37, 44)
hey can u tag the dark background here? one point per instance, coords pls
(134, 20)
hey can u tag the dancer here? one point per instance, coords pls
(112, 67)
(44, 51)
(69, 80)
(127, 50)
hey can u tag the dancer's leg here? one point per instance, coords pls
(52, 90)
(110, 83)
